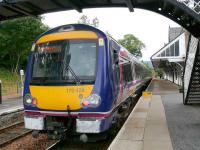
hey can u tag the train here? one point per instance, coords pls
(79, 80)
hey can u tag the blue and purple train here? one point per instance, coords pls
(78, 79)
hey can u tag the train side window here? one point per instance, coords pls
(137, 72)
(128, 72)
(133, 70)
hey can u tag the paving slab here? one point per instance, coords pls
(136, 122)
(127, 145)
(131, 133)
(183, 120)
(157, 145)
(10, 105)
(145, 129)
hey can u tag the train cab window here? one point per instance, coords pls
(64, 61)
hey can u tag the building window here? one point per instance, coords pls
(167, 52)
(163, 54)
(177, 48)
(172, 50)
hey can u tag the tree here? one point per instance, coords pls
(85, 20)
(149, 68)
(16, 38)
(107, 32)
(132, 44)
(159, 72)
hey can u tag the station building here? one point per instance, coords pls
(171, 57)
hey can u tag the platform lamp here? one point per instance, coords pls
(22, 81)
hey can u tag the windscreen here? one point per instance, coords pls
(64, 61)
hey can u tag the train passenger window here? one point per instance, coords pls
(133, 70)
(138, 71)
(128, 72)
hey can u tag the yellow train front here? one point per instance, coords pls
(76, 83)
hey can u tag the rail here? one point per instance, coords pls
(15, 131)
(53, 146)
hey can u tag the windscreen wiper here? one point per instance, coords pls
(78, 81)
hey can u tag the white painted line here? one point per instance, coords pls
(10, 110)
(122, 128)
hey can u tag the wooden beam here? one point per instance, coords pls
(13, 1)
(75, 6)
(17, 9)
(71, 3)
(129, 5)
(2, 17)
(36, 8)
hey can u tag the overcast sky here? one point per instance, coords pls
(149, 27)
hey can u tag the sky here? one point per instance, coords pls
(149, 27)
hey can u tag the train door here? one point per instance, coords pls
(114, 50)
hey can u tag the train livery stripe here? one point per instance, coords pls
(60, 97)
(68, 35)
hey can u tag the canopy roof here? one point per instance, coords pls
(177, 10)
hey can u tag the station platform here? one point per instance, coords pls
(160, 122)
(11, 104)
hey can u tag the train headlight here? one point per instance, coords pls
(92, 101)
(29, 100)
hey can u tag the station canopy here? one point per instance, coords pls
(184, 12)
(173, 52)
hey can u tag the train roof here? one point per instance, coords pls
(71, 27)
(130, 55)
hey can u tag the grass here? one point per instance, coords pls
(7, 76)
(10, 82)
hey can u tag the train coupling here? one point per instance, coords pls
(35, 133)
(83, 138)
(57, 134)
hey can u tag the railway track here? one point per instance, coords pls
(12, 132)
(54, 145)
(77, 145)
(100, 145)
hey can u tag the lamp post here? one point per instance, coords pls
(22, 81)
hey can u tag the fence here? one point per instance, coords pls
(11, 87)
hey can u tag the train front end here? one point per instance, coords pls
(61, 92)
